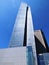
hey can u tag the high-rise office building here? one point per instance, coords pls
(22, 49)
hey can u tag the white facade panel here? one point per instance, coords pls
(13, 56)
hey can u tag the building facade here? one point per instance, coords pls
(43, 59)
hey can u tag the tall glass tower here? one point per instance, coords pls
(17, 38)
(23, 33)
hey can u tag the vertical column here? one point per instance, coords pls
(30, 35)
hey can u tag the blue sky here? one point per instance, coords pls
(8, 13)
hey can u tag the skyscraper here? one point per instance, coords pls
(23, 33)
(22, 49)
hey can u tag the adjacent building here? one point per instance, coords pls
(41, 43)
(41, 48)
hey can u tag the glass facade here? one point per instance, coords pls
(43, 59)
(29, 56)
